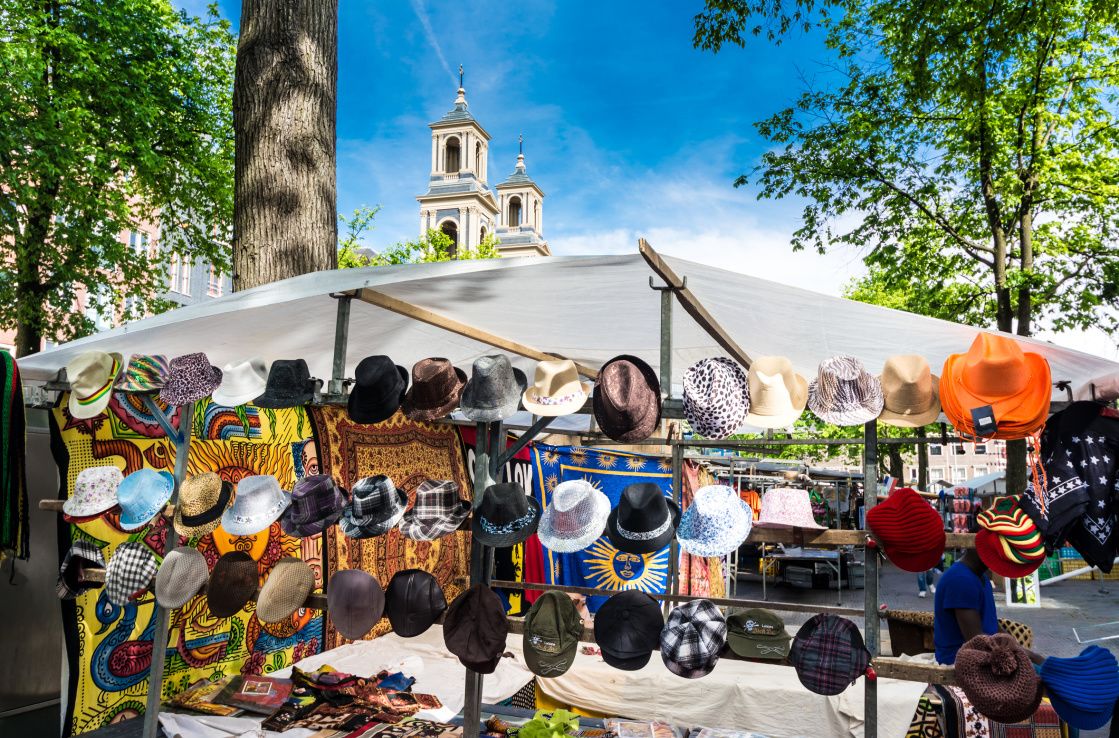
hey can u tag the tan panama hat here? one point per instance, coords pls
(556, 389)
(911, 392)
(778, 395)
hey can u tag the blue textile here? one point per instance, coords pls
(600, 564)
(960, 588)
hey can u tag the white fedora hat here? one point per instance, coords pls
(778, 395)
(241, 382)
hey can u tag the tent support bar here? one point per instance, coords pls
(526, 438)
(871, 626)
(181, 439)
(691, 305)
(336, 388)
(424, 315)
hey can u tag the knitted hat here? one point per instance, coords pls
(285, 590)
(181, 576)
(1009, 542)
(998, 678)
(1083, 689)
(909, 530)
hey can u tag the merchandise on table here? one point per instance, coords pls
(241, 382)
(202, 500)
(190, 378)
(844, 392)
(129, 573)
(556, 390)
(575, 518)
(505, 516)
(316, 504)
(627, 399)
(436, 389)
(910, 392)
(475, 629)
(778, 395)
(379, 387)
(998, 678)
(285, 590)
(716, 397)
(258, 694)
(693, 637)
(181, 576)
(644, 520)
(716, 523)
(493, 391)
(233, 582)
(289, 384)
(201, 695)
(355, 602)
(413, 602)
(552, 630)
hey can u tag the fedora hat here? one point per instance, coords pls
(316, 504)
(506, 515)
(285, 590)
(716, 397)
(778, 395)
(91, 376)
(379, 387)
(202, 500)
(289, 384)
(844, 392)
(181, 576)
(556, 389)
(785, 507)
(257, 503)
(627, 399)
(494, 390)
(436, 389)
(996, 372)
(129, 573)
(190, 378)
(143, 373)
(375, 508)
(575, 518)
(241, 382)
(73, 574)
(644, 520)
(354, 602)
(910, 392)
(142, 495)
(232, 584)
(95, 491)
(716, 523)
(909, 530)
(438, 511)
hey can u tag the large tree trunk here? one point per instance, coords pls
(285, 216)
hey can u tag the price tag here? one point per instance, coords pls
(983, 420)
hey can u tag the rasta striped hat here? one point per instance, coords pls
(91, 376)
(1008, 541)
(144, 373)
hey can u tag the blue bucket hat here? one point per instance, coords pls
(716, 523)
(142, 495)
(1083, 689)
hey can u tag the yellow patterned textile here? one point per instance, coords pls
(109, 647)
(409, 453)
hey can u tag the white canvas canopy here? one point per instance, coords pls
(587, 308)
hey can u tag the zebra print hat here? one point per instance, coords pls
(844, 392)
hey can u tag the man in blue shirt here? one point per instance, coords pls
(964, 607)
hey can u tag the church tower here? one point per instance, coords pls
(458, 201)
(521, 222)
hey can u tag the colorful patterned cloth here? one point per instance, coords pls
(962, 719)
(409, 453)
(109, 647)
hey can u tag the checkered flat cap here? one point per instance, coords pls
(692, 639)
(829, 654)
(130, 572)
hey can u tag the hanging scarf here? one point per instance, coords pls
(15, 532)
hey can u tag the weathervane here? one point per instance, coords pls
(460, 75)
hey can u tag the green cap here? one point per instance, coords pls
(758, 634)
(552, 630)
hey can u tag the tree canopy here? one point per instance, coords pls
(432, 246)
(115, 114)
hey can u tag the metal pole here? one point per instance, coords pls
(181, 439)
(666, 341)
(677, 495)
(336, 388)
(870, 563)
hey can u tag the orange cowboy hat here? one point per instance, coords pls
(996, 372)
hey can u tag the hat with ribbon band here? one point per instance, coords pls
(910, 392)
(257, 503)
(506, 515)
(91, 376)
(202, 500)
(556, 389)
(644, 520)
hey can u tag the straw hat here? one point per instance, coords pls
(91, 376)
(285, 590)
(556, 389)
(202, 500)
(845, 393)
(778, 395)
(996, 372)
(910, 392)
(241, 382)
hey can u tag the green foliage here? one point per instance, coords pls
(431, 247)
(115, 114)
(969, 149)
(558, 724)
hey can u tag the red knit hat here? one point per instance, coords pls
(909, 530)
(989, 547)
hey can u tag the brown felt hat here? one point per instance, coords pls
(436, 389)
(354, 602)
(998, 678)
(285, 590)
(627, 399)
(232, 583)
(910, 392)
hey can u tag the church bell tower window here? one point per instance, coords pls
(452, 158)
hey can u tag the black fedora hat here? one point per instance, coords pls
(494, 390)
(413, 602)
(644, 520)
(506, 516)
(627, 399)
(627, 629)
(379, 387)
(289, 385)
(436, 389)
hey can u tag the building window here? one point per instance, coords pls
(452, 156)
(936, 474)
(979, 471)
(959, 474)
(960, 449)
(935, 449)
(478, 158)
(173, 273)
(213, 289)
(482, 235)
(913, 474)
(514, 212)
(179, 275)
(450, 228)
(981, 449)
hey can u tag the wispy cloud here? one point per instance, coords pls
(429, 32)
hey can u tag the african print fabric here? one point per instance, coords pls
(962, 719)
(601, 565)
(109, 647)
(407, 452)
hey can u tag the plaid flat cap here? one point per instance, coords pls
(72, 580)
(130, 572)
(438, 511)
(829, 654)
(692, 639)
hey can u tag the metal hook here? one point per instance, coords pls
(673, 288)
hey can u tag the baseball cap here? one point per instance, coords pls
(628, 628)
(758, 634)
(552, 630)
